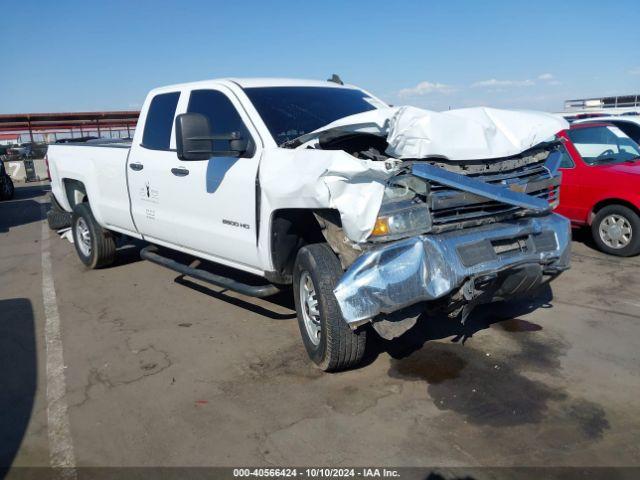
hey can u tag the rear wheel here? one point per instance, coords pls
(616, 230)
(95, 246)
(329, 341)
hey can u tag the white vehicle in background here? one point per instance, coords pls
(370, 212)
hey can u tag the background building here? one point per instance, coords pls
(585, 107)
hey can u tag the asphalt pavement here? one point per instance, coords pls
(160, 370)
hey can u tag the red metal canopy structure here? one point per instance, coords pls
(9, 136)
(70, 122)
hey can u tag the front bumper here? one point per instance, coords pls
(430, 267)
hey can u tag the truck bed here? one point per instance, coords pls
(101, 166)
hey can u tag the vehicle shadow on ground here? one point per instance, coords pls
(25, 192)
(22, 209)
(583, 235)
(128, 251)
(282, 300)
(18, 376)
(435, 327)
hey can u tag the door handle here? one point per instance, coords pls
(136, 166)
(180, 172)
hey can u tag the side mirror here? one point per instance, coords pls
(195, 142)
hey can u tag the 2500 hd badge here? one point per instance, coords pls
(233, 223)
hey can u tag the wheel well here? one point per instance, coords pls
(75, 191)
(291, 229)
(611, 201)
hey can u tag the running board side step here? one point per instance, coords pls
(151, 253)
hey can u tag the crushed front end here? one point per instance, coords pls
(460, 234)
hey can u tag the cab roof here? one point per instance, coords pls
(252, 83)
(284, 82)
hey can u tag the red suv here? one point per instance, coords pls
(601, 185)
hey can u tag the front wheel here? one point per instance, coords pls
(616, 230)
(95, 246)
(329, 341)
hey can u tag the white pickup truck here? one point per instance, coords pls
(373, 213)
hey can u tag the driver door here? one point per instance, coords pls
(219, 212)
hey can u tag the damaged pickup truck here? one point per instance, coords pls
(371, 212)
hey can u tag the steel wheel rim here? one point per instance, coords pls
(309, 307)
(615, 231)
(84, 237)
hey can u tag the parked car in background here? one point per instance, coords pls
(600, 185)
(34, 150)
(28, 150)
(6, 184)
(628, 124)
(16, 152)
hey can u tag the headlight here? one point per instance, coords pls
(403, 211)
(405, 187)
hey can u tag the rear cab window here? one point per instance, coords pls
(159, 121)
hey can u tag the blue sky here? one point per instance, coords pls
(94, 55)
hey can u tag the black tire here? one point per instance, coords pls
(339, 347)
(7, 189)
(102, 250)
(57, 217)
(630, 218)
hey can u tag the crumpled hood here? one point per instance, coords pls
(462, 134)
(316, 178)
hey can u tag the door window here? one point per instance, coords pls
(601, 144)
(159, 122)
(631, 129)
(223, 116)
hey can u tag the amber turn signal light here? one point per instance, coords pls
(381, 227)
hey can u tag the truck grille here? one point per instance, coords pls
(451, 208)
